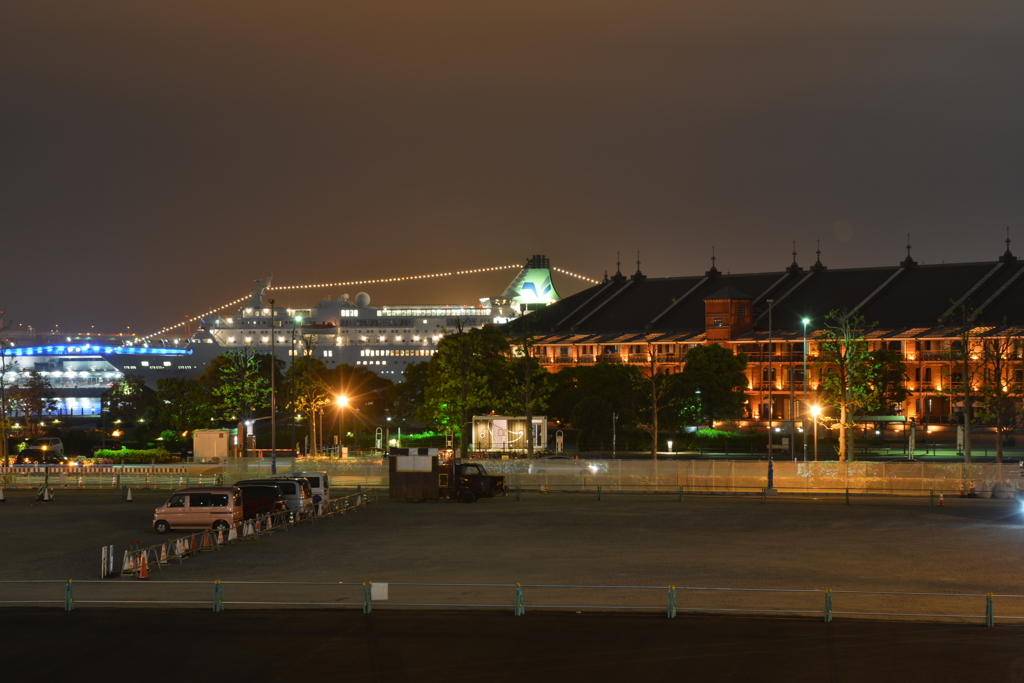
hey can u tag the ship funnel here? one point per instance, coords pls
(533, 286)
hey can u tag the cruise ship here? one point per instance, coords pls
(384, 339)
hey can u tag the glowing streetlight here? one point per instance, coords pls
(815, 411)
(342, 401)
(805, 322)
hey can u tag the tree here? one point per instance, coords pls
(713, 381)
(1000, 396)
(241, 379)
(466, 376)
(310, 391)
(129, 398)
(34, 396)
(846, 366)
(406, 397)
(590, 397)
(659, 386)
(6, 365)
(962, 354)
(528, 389)
(888, 381)
(183, 404)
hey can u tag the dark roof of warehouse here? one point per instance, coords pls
(907, 299)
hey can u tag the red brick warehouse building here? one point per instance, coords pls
(917, 311)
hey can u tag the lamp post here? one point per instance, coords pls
(771, 380)
(816, 410)
(273, 393)
(342, 402)
(805, 321)
(615, 416)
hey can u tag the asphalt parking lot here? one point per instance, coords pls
(969, 546)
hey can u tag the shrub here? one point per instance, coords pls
(137, 457)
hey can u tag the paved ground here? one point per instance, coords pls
(482, 646)
(969, 546)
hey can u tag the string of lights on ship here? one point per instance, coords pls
(352, 283)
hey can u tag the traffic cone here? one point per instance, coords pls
(232, 533)
(963, 494)
(81, 482)
(220, 537)
(163, 554)
(128, 497)
(971, 493)
(144, 565)
(147, 480)
(181, 481)
(942, 500)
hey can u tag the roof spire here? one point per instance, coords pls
(618, 277)
(793, 267)
(714, 271)
(908, 262)
(638, 276)
(817, 267)
(1007, 257)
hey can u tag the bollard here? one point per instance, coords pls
(599, 492)
(367, 597)
(519, 493)
(990, 613)
(671, 602)
(69, 597)
(847, 496)
(828, 605)
(218, 596)
(680, 494)
(519, 610)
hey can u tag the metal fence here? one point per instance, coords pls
(521, 598)
(693, 476)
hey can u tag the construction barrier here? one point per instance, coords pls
(137, 560)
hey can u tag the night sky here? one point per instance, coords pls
(156, 157)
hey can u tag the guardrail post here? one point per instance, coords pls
(990, 613)
(218, 596)
(367, 597)
(69, 597)
(764, 495)
(847, 496)
(680, 494)
(519, 601)
(828, 605)
(599, 492)
(519, 492)
(671, 602)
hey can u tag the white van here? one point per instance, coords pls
(319, 483)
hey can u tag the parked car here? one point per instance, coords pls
(44, 449)
(108, 445)
(296, 491)
(38, 457)
(259, 499)
(210, 507)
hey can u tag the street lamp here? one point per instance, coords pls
(805, 321)
(815, 410)
(771, 379)
(273, 393)
(342, 402)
